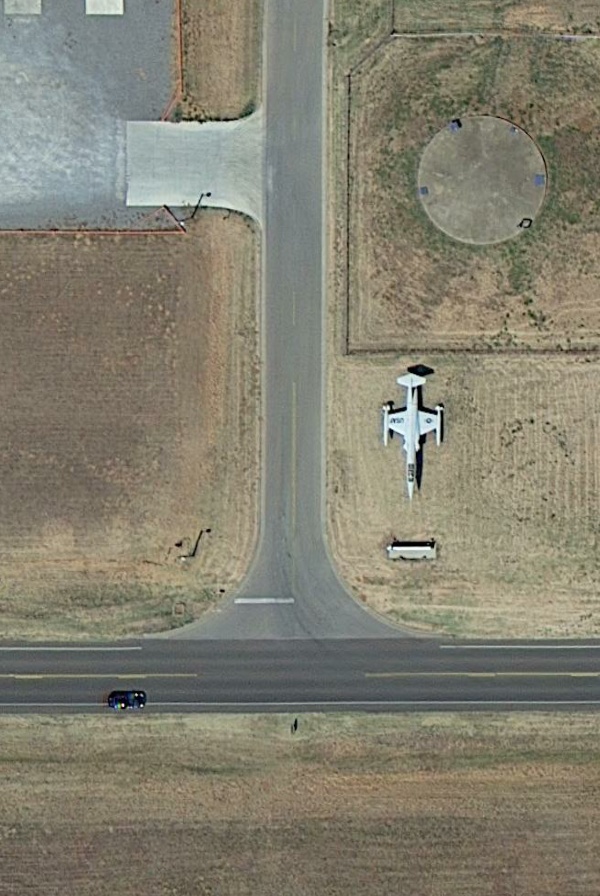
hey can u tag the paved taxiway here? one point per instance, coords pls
(304, 675)
(292, 563)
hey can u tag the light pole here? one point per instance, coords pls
(196, 207)
(202, 195)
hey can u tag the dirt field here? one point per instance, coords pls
(411, 287)
(511, 496)
(221, 59)
(428, 805)
(124, 361)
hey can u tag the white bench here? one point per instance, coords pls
(412, 550)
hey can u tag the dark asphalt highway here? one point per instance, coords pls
(304, 675)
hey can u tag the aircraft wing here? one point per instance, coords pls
(428, 421)
(396, 421)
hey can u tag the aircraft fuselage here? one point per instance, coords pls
(412, 441)
(412, 423)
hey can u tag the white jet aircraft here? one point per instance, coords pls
(411, 422)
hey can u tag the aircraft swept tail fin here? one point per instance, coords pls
(411, 380)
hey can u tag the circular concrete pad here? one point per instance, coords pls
(482, 179)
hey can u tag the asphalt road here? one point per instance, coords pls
(304, 675)
(292, 575)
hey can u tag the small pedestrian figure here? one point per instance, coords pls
(294, 726)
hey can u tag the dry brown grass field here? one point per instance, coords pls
(356, 25)
(511, 496)
(410, 286)
(428, 805)
(221, 58)
(124, 361)
(563, 16)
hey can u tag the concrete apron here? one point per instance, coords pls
(172, 164)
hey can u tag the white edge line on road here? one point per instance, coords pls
(286, 707)
(65, 649)
(264, 600)
(519, 646)
(331, 703)
(334, 703)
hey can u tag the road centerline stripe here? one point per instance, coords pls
(67, 649)
(494, 674)
(33, 676)
(519, 646)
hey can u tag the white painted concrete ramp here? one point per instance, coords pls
(104, 7)
(22, 7)
(172, 164)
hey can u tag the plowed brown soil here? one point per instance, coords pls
(124, 362)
